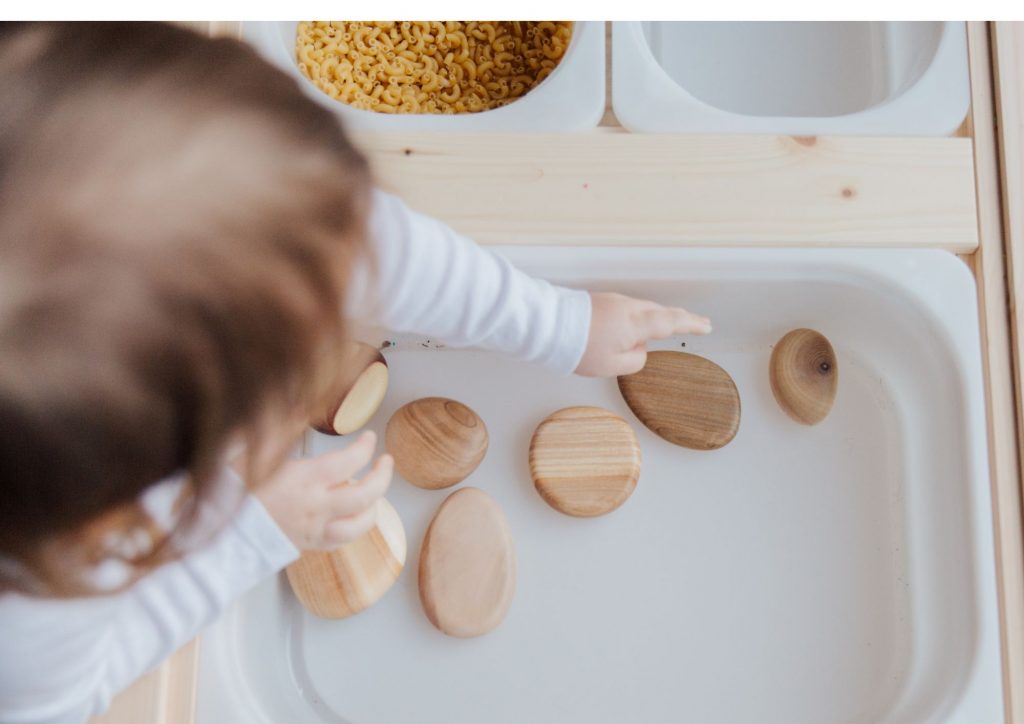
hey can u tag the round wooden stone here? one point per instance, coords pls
(353, 577)
(436, 442)
(685, 399)
(804, 375)
(467, 574)
(584, 461)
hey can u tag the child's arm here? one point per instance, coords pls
(63, 660)
(432, 281)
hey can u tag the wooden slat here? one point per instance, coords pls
(608, 120)
(163, 696)
(614, 188)
(141, 702)
(1008, 53)
(179, 695)
(990, 269)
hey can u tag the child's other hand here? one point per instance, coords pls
(620, 327)
(319, 503)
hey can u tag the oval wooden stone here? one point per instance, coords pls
(804, 375)
(353, 577)
(436, 442)
(685, 399)
(467, 570)
(584, 461)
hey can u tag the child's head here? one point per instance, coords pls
(176, 225)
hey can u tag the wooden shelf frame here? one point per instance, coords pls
(990, 268)
(749, 191)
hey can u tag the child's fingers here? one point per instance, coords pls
(668, 321)
(352, 499)
(346, 530)
(340, 465)
(631, 361)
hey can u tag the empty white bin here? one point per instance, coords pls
(809, 78)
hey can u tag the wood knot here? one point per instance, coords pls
(847, 193)
(407, 151)
(806, 140)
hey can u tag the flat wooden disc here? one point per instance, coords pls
(584, 461)
(353, 577)
(685, 399)
(467, 565)
(349, 407)
(436, 442)
(804, 375)
(363, 400)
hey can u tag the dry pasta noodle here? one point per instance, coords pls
(429, 67)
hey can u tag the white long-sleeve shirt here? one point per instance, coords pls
(62, 661)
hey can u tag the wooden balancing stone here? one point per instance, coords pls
(436, 442)
(584, 461)
(685, 399)
(353, 577)
(804, 375)
(350, 409)
(467, 574)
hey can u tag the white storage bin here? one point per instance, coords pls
(572, 98)
(800, 575)
(854, 78)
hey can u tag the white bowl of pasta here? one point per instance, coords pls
(445, 75)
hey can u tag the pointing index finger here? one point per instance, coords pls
(668, 321)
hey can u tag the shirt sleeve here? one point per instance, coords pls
(425, 278)
(64, 660)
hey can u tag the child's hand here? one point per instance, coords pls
(620, 327)
(318, 503)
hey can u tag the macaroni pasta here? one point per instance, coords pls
(429, 67)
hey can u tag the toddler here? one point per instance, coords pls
(184, 237)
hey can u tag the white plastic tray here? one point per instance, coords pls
(838, 573)
(854, 78)
(572, 98)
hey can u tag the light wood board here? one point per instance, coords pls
(616, 188)
(990, 269)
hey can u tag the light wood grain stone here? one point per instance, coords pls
(584, 461)
(467, 574)
(436, 442)
(353, 577)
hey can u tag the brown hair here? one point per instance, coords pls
(177, 222)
